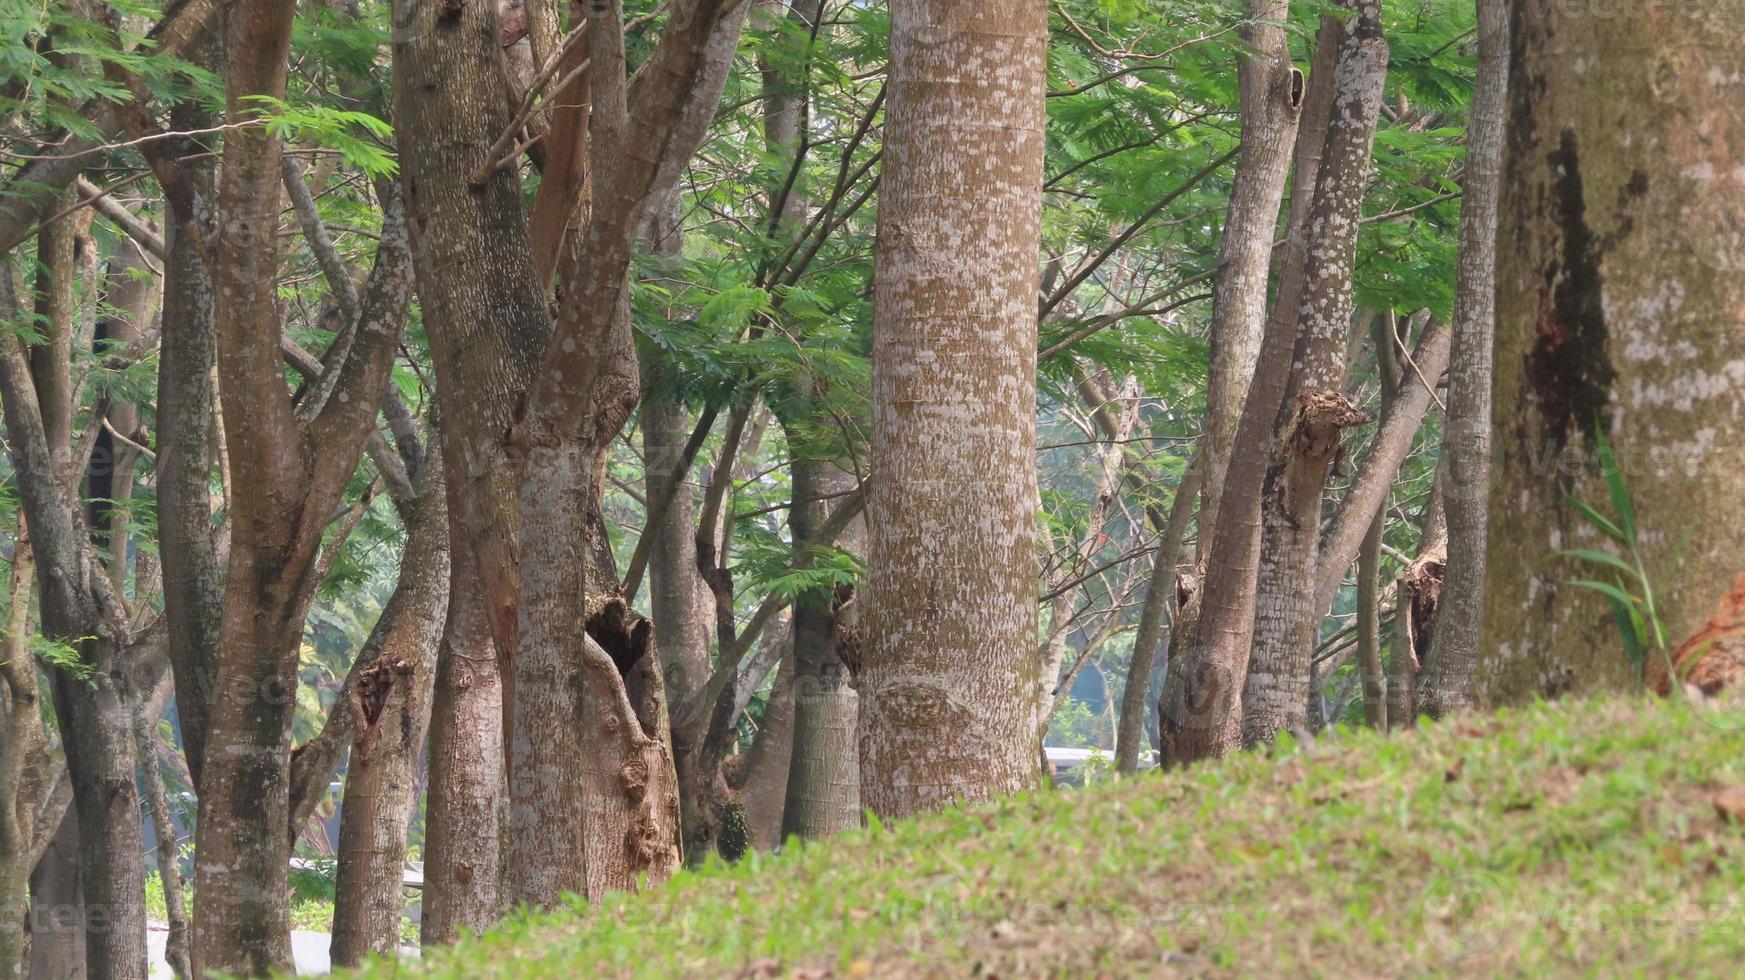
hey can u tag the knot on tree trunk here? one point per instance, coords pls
(1316, 421)
(369, 699)
(1422, 582)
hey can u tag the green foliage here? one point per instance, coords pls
(1629, 590)
(331, 127)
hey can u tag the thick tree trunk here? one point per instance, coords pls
(1275, 697)
(761, 780)
(948, 686)
(1619, 310)
(1447, 683)
(1271, 96)
(389, 704)
(487, 320)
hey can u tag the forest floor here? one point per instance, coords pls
(1599, 836)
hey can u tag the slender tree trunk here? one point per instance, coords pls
(1619, 310)
(466, 795)
(186, 443)
(823, 792)
(1275, 696)
(169, 858)
(1448, 681)
(24, 761)
(390, 710)
(1271, 96)
(1369, 665)
(761, 780)
(57, 910)
(949, 678)
(1136, 693)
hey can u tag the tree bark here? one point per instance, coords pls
(1271, 95)
(389, 707)
(823, 791)
(1275, 696)
(1136, 693)
(487, 321)
(1619, 311)
(288, 473)
(949, 681)
(24, 761)
(1200, 713)
(1447, 683)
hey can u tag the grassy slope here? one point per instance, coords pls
(1578, 837)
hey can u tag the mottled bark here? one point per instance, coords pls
(948, 682)
(1275, 696)
(79, 608)
(616, 770)
(186, 445)
(466, 792)
(1201, 712)
(1618, 310)
(761, 780)
(288, 473)
(387, 699)
(57, 912)
(1447, 683)
(1198, 713)
(1271, 94)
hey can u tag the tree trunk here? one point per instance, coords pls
(57, 911)
(1271, 96)
(1447, 683)
(466, 795)
(390, 710)
(487, 321)
(186, 444)
(1136, 693)
(1619, 311)
(24, 761)
(1275, 696)
(761, 780)
(1200, 713)
(823, 792)
(949, 682)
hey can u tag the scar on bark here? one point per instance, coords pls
(1422, 581)
(1711, 659)
(1568, 372)
(369, 699)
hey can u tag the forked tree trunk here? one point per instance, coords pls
(948, 685)
(1622, 214)
(1311, 422)
(1200, 712)
(1447, 680)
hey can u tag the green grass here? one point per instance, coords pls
(1577, 837)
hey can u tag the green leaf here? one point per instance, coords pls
(1600, 557)
(1615, 486)
(1600, 521)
